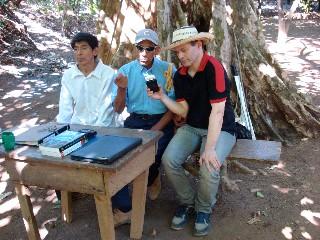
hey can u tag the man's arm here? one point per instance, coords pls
(163, 122)
(66, 105)
(180, 108)
(209, 156)
(119, 102)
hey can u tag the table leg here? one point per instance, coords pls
(105, 216)
(29, 219)
(66, 206)
(139, 192)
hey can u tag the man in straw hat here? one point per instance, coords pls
(202, 91)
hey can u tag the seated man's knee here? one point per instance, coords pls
(204, 173)
(167, 160)
(170, 159)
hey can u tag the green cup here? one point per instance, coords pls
(8, 140)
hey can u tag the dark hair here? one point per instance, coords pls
(204, 47)
(86, 37)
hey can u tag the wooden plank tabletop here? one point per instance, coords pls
(31, 154)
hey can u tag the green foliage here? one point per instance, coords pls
(76, 6)
(3, 2)
(2, 24)
(306, 5)
(94, 6)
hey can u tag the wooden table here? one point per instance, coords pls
(27, 167)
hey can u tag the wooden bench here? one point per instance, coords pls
(245, 149)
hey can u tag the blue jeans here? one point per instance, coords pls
(121, 200)
(186, 141)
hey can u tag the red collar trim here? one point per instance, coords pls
(203, 63)
(183, 70)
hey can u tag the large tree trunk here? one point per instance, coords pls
(170, 16)
(278, 111)
(164, 26)
(116, 36)
(110, 23)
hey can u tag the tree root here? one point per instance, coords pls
(242, 168)
(229, 185)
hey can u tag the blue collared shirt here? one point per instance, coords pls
(137, 100)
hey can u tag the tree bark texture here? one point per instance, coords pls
(114, 50)
(164, 26)
(278, 111)
(170, 16)
(110, 23)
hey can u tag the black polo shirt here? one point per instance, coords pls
(209, 85)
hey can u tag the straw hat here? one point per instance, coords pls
(188, 34)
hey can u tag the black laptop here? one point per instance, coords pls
(105, 149)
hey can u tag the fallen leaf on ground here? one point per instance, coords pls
(253, 190)
(254, 220)
(259, 194)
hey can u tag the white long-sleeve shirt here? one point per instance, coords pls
(87, 99)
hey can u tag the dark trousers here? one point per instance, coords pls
(146, 122)
(120, 200)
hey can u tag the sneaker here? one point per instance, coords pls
(120, 218)
(155, 189)
(201, 226)
(180, 217)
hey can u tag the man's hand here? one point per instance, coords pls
(178, 120)
(209, 158)
(121, 81)
(155, 95)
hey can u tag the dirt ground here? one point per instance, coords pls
(288, 203)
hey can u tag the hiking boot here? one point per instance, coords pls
(155, 189)
(120, 218)
(201, 226)
(181, 216)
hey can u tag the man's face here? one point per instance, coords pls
(188, 53)
(84, 54)
(147, 51)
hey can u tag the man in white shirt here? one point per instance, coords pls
(85, 98)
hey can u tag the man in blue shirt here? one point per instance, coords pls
(147, 113)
